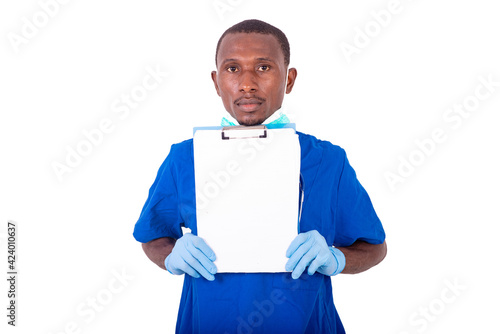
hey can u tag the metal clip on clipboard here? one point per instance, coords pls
(243, 132)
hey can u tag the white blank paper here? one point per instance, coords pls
(247, 194)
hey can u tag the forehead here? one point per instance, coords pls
(249, 46)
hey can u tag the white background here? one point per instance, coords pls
(441, 222)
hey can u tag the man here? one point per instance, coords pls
(339, 229)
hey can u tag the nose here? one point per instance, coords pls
(248, 83)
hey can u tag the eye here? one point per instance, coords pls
(264, 68)
(232, 69)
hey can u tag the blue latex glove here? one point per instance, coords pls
(191, 255)
(309, 249)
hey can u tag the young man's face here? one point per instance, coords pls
(251, 76)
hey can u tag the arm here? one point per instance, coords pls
(361, 256)
(157, 250)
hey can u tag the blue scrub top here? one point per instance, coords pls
(335, 204)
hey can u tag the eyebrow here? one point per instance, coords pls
(227, 60)
(265, 59)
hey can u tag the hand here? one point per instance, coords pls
(310, 249)
(191, 255)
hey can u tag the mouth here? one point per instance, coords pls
(249, 104)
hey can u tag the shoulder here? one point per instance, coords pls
(180, 152)
(183, 147)
(311, 143)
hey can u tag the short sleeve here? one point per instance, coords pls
(355, 218)
(160, 215)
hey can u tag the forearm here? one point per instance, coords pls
(157, 250)
(361, 256)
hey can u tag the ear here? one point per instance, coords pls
(292, 75)
(214, 79)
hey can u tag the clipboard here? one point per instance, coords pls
(247, 195)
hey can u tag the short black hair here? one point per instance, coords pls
(260, 27)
